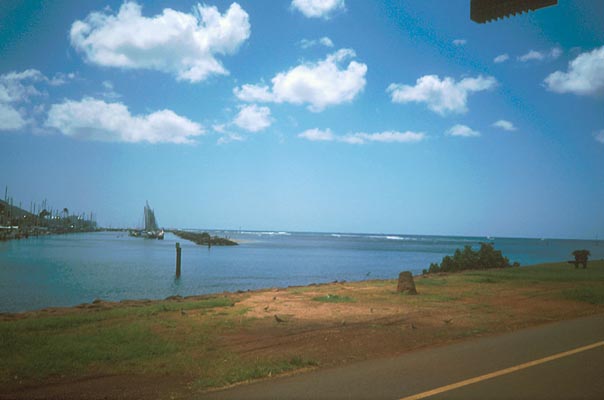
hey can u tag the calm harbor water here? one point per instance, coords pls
(66, 270)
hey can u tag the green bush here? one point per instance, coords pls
(486, 257)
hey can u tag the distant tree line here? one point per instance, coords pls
(468, 259)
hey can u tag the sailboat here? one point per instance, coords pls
(151, 230)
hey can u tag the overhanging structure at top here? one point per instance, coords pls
(482, 11)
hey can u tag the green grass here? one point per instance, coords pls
(334, 298)
(126, 338)
(588, 294)
(554, 272)
(235, 369)
(483, 279)
(39, 353)
(430, 281)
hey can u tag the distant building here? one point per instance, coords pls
(482, 11)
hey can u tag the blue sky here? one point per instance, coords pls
(307, 115)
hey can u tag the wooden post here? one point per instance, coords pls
(178, 249)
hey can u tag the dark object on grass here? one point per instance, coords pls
(581, 257)
(278, 319)
(406, 285)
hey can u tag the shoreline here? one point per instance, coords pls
(189, 345)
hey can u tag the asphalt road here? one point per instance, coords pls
(574, 376)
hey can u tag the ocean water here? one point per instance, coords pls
(66, 270)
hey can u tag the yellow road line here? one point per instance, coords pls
(505, 371)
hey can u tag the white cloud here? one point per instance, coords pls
(61, 79)
(501, 58)
(324, 41)
(460, 42)
(534, 55)
(318, 135)
(253, 118)
(441, 96)
(385, 137)
(10, 118)
(585, 75)
(92, 119)
(505, 125)
(185, 45)
(17, 86)
(599, 136)
(318, 8)
(462, 130)
(320, 84)
(229, 137)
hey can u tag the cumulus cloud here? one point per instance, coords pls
(92, 119)
(460, 42)
(318, 8)
(253, 118)
(324, 41)
(385, 137)
(501, 58)
(533, 55)
(318, 135)
(185, 45)
(320, 84)
(599, 136)
(585, 75)
(441, 96)
(17, 88)
(505, 125)
(229, 137)
(462, 131)
(10, 118)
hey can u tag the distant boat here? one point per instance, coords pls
(151, 230)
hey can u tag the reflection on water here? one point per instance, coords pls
(71, 269)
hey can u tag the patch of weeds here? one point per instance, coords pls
(38, 354)
(439, 297)
(334, 298)
(235, 371)
(430, 282)
(485, 279)
(591, 295)
(243, 311)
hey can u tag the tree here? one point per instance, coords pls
(485, 257)
(581, 257)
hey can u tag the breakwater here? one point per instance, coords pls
(204, 238)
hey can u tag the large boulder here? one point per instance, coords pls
(406, 285)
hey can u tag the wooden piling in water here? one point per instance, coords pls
(178, 250)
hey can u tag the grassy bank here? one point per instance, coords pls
(188, 345)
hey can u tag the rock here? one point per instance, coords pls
(406, 285)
